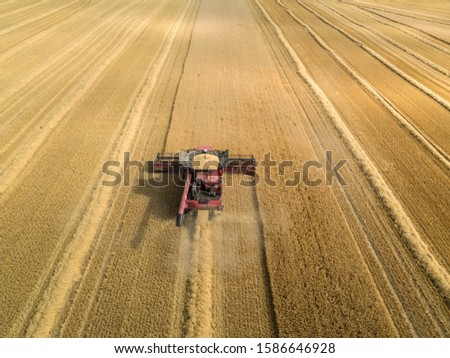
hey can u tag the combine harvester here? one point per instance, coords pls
(202, 170)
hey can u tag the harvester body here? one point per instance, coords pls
(202, 170)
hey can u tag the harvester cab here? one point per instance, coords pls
(202, 170)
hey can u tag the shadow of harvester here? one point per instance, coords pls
(163, 191)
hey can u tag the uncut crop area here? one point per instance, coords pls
(362, 82)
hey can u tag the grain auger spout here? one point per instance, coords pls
(202, 170)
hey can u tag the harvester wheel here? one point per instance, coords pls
(180, 219)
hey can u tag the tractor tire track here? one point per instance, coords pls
(84, 45)
(404, 13)
(436, 38)
(78, 320)
(296, 86)
(407, 231)
(22, 9)
(18, 162)
(443, 102)
(389, 40)
(40, 78)
(158, 129)
(265, 268)
(375, 262)
(27, 12)
(82, 16)
(27, 32)
(46, 15)
(199, 285)
(60, 14)
(401, 27)
(240, 304)
(15, 48)
(40, 287)
(45, 7)
(71, 263)
(31, 85)
(428, 143)
(382, 265)
(378, 120)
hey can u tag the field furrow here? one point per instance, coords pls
(139, 218)
(359, 106)
(433, 27)
(82, 148)
(395, 272)
(69, 30)
(33, 131)
(435, 150)
(437, 33)
(53, 12)
(371, 238)
(411, 33)
(416, 65)
(441, 116)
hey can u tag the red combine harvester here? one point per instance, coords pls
(202, 170)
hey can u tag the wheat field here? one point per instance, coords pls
(83, 82)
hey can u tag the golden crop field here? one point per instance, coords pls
(85, 82)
